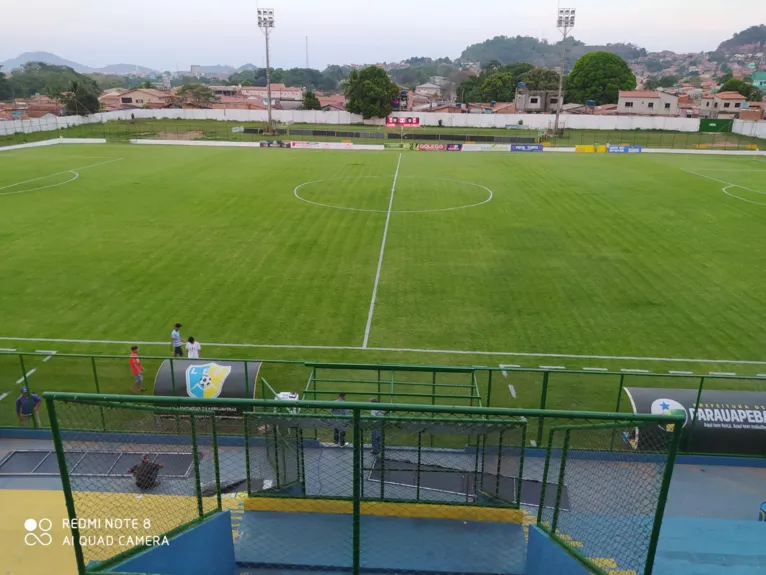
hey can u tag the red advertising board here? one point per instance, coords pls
(432, 147)
(392, 122)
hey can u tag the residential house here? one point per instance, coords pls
(647, 103)
(536, 101)
(492, 108)
(228, 91)
(278, 92)
(759, 80)
(428, 89)
(721, 105)
(148, 97)
(333, 103)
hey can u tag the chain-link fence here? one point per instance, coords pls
(383, 487)
(604, 500)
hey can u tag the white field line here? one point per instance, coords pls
(552, 367)
(512, 390)
(380, 259)
(7, 349)
(2, 397)
(52, 352)
(503, 366)
(398, 350)
(76, 175)
(635, 371)
(681, 372)
(729, 186)
(30, 372)
(726, 373)
(595, 369)
(59, 173)
(761, 375)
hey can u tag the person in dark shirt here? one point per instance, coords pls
(145, 473)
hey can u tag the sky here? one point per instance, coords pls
(173, 34)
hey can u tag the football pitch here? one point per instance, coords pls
(567, 260)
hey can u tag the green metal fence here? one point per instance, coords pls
(369, 461)
(398, 383)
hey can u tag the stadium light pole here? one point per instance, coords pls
(266, 23)
(565, 23)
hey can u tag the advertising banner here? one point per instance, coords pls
(274, 144)
(730, 422)
(202, 379)
(236, 129)
(526, 147)
(367, 147)
(397, 146)
(624, 149)
(454, 147)
(304, 145)
(330, 146)
(432, 147)
(585, 149)
(392, 122)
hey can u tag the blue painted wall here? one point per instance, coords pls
(545, 557)
(207, 549)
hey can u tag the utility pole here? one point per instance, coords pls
(565, 23)
(266, 23)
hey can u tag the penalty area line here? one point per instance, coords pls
(398, 350)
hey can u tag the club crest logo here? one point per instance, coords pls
(206, 381)
(668, 407)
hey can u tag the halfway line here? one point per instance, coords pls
(380, 259)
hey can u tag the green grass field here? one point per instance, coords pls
(602, 257)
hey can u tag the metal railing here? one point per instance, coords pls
(366, 475)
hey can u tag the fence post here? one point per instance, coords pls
(546, 468)
(560, 486)
(98, 389)
(489, 390)
(66, 486)
(23, 371)
(660, 512)
(216, 463)
(694, 419)
(617, 407)
(195, 455)
(247, 454)
(521, 462)
(173, 387)
(417, 476)
(247, 383)
(543, 400)
(357, 482)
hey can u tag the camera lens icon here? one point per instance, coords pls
(37, 532)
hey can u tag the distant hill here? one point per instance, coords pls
(248, 66)
(512, 50)
(49, 58)
(755, 35)
(218, 69)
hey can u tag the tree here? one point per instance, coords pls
(498, 87)
(5, 88)
(652, 83)
(370, 92)
(749, 91)
(541, 79)
(146, 84)
(80, 97)
(197, 94)
(599, 76)
(310, 101)
(668, 81)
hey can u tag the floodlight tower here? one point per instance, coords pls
(565, 23)
(266, 24)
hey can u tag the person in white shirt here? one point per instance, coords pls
(192, 349)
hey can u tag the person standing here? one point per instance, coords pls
(145, 473)
(137, 369)
(192, 349)
(339, 432)
(27, 406)
(175, 341)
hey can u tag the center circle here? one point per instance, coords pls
(445, 182)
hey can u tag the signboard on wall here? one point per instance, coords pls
(395, 122)
(728, 422)
(432, 147)
(624, 149)
(526, 148)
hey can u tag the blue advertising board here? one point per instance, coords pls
(454, 147)
(526, 148)
(624, 149)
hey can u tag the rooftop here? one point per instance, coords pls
(730, 96)
(639, 94)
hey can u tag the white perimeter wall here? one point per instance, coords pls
(534, 121)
